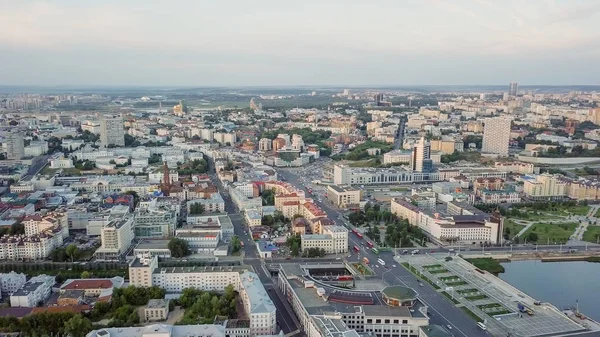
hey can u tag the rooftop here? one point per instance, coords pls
(157, 304)
(259, 299)
(400, 293)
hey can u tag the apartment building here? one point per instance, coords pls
(344, 196)
(145, 272)
(212, 204)
(447, 145)
(515, 167)
(33, 293)
(116, 238)
(111, 131)
(11, 282)
(156, 222)
(333, 239)
(546, 186)
(496, 136)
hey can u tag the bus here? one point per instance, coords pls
(370, 244)
(356, 249)
(381, 262)
(375, 251)
(481, 326)
(357, 233)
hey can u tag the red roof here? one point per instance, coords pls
(88, 284)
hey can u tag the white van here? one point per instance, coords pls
(481, 326)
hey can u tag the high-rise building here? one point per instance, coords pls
(513, 89)
(111, 131)
(378, 98)
(496, 136)
(421, 157)
(13, 144)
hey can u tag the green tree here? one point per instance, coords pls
(236, 245)
(86, 274)
(72, 252)
(532, 237)
(178, 247)
(78, 326)
(196, 208)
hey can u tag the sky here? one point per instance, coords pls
(303, 42)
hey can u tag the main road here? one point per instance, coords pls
(285, 317)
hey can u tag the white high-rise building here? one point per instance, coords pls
(13, 144)
(496, 136)
(421, 157)
(513, 89)
(111, 131)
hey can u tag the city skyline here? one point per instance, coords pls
(190, 43)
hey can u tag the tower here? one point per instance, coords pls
(165, 185)
(111, 131)
(421, 157)
(513, 89)
(496, 136)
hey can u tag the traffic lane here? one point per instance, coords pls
(283, 309)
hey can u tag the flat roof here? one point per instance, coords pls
(157, 304)
(153, 244)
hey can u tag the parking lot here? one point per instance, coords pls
(491, 299)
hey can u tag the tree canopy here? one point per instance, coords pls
(179, 247)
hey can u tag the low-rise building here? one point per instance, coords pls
(156, 310)
(344, 196)
(34, 292)
(11, 282)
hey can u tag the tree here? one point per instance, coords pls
(532, 237)
(178, 247)
(236, 246)
(78, 326)
(86, 274)
(72, 251)
(196, 208)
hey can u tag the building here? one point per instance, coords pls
(447, 145)
(265, 144)
(229, 328)
(156, 310)
(546, 186)
(397, 156)
(36, 148)
(153, 248)
(93, 287)
(213, 204)
(421, 157)
(111, 131)
(345, 175)
(33, 293)
(159, 222)
(459, 224)
(513, 89)
(326, 312)
(13, 144)
(253, 217)
(496, 136)
(61, 162)
(515, 167)
(332, 239)
(116, 238)
(11, 282)
(344, 196)
(145, 272)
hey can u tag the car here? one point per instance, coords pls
(449, 327)
(420, 284)
(393, 266)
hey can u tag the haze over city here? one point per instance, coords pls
(221, 43)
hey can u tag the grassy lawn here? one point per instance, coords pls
(432, 266)
(468, 291)
(487, 306)
(591, 234)
(450, 297)
(471, 314)
(454, 284)
(424, 278)
(551, 232)
(439, 271)
(488, 264)
(476, 297)
(513, 227)
(577, 210)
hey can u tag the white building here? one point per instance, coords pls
(155, 222)
(333, 239)
(36, 148)
(35, 291)
(145, 272)
(212, 204)
(116, 238)
(496, 136)
(343, 196)
(13, 144)
(111, 131)
(11, 282)
(397, 156)
(61, 162)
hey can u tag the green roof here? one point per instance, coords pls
(400, 293)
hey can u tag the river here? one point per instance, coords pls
(560, 283)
